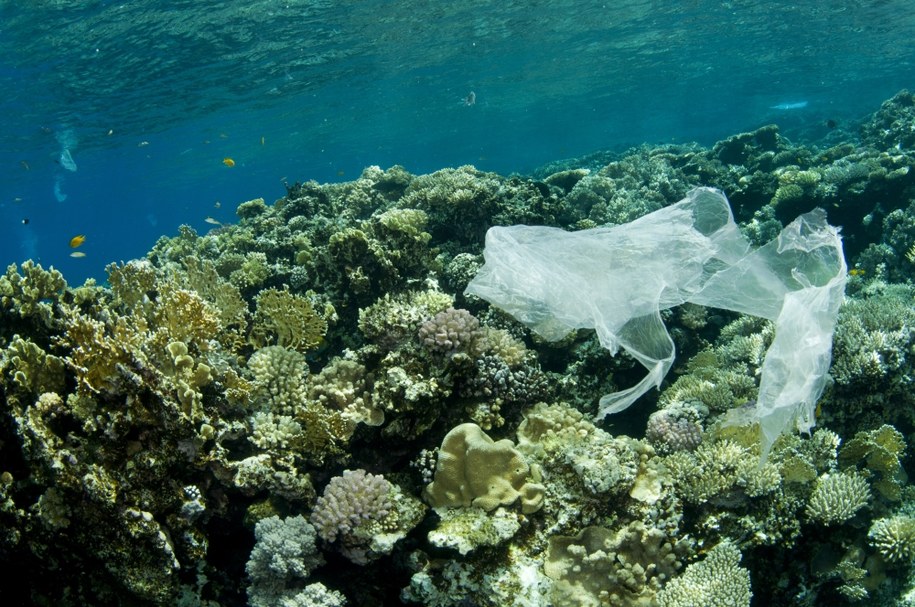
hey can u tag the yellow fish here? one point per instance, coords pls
(228, 162)
(77, 254)
(77, 240)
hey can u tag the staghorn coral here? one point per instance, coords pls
(354, 498)
(721, 471)
(346, 386)
(283, 556)
(278, 382)
(451, 332)
(392, 320)
(674, 429)
(274, 432)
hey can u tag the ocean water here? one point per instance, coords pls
(116, 117)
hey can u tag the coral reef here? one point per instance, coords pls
(257, 414)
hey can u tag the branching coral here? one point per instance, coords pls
(894, 538)
(285, 319)
(364, 514)
(278, 379)
(837, 497)
(600, 566)
(716, 581)
(29, 293)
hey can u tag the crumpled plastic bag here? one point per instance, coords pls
(617, 280)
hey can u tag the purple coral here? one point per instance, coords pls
(356, 498)
(669, 432)
(450, 331)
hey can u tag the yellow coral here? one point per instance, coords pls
(287, 320)
(131, 282)
(184, 316)
(474, 470)
(26, 293)
(97, 349)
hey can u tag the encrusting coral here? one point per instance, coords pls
(474, 470)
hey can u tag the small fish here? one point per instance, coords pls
(341, 173)
(142, 144)
(228, 162)
(223, 136)
(217, 204)
(110, 132)
(25, 221)
(831, 124)
(470, 99)
(17, 199)
(213, 221)
(77, 241)
(77, 254)
(25, 165)
(263, 140)
(793, 105)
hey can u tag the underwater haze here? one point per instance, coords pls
(117, 116)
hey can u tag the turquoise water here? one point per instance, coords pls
(148, 98)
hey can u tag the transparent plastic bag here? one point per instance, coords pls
(617, 280)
